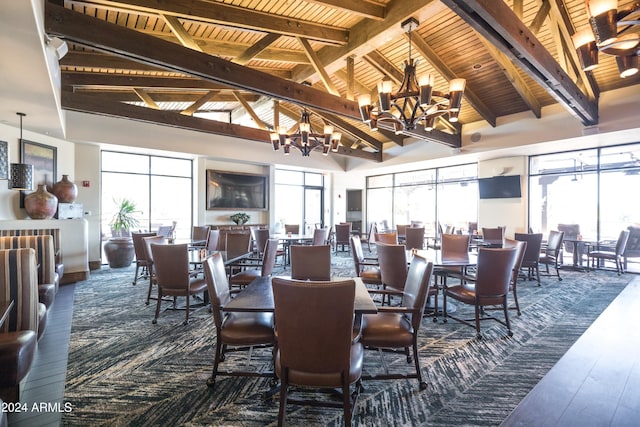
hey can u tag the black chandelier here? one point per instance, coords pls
(612, 32)
(415, 101)
(305, 139)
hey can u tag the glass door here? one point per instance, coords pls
(313, 209)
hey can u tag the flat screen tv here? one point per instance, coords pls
(230, 190)
(499, 187)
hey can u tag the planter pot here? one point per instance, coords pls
(65, 190)
(40, 204)
(119, 252)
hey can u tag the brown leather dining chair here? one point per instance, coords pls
(371, 235)
(553, 252)
(343, 233)
(320, 236)
(611, 255)
(142, 268)
(173, 277)
(367, 268)
(253, 270)
(414, 237)
(314, 353)
(493, 236)
(260, 237)
(494, 273)
(393, 269)
(199, 235)
(401, 230)
(530, 262)
(395, 328)
(311, 262)
(292, 228)
(521, 248)
(148, 241)
(212, 240)
(235, 331)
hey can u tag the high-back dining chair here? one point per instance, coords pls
(491, 287)
(234, 331)
(148, 241)
(212, 240)
(414, 237)
(171, 264)
(553, 251)
(367, 268)
(311, 351)
(142, 268)
(371, 235)
(521, 248)
(609, 255)
(401, 230)
(320, 236)
(292, 228)
(260, 237)
(530, 262)
(397, 327)
(493, 235)
(262, 269)
(199, 235)
(393, 266)
(343, 233)
(311, 262)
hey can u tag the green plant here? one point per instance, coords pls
(240, 217)
(125, 217)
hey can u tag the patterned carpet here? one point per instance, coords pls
(124, 371)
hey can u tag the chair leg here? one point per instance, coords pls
(149, 291)
(155, 319)
(211, 381)
(346, 400)
(478, 335)
(506, 316)
(186, 320)
(515, 299)
(135, 276)
(284, 383)
(416, 361)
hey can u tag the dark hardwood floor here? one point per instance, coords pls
(597, 382)
(44, 386)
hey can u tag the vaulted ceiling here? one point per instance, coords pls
(241, 67)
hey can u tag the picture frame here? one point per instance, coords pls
(231, 190)
(4, 160)
(44, 160)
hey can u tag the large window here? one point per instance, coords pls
(431, 196)
(299, 199)
(592, 188)
(160, 187)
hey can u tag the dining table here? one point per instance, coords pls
(198, 256)
(258, 297)
(288, 239)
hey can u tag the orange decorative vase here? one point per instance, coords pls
(66, 191)
(40, 204)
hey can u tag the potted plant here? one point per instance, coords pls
(240, 218)
(119, 248)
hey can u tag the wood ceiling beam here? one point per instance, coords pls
(352, 130)
(443, 69)
(356, 7)
(256, 48)
(122, 41)
(541, 15)
(384, 66)
(208, 97)
(120, 80)
(126, 95)
(179, 31)
(512, 74)
(149, 102)
(315, 61)
(258, 121)
(497, 23)
(367, 35)
(96, 105)
(218, 13)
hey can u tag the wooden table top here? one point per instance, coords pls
(258, 297)
(438, 260)
(198, 257)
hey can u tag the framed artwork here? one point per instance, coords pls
(44, 161)
(4, 160)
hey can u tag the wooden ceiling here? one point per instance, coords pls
(239, 67)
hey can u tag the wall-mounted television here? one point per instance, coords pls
(499, 187)
(231, 190)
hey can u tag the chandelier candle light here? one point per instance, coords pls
(612, 32)
(305, 139)
(415, 101)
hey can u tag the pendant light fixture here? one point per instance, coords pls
(21, 173)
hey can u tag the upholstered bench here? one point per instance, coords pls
(48, 278)
(53, 232)
(26, 320)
